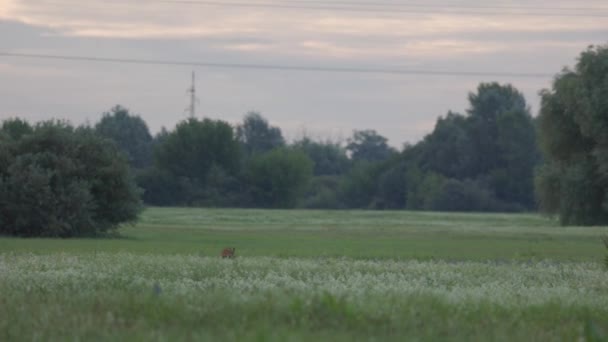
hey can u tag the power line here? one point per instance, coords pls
(446, 6)
(280, 67)
(386, 8)
(351, 8)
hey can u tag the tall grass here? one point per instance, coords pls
(188, 297)
(310, 275)
(605, 241)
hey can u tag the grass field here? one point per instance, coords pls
(353, 234)
(303, 275)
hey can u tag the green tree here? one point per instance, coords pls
(368, 145)
(513, 178)
(322, 193)
(449, 149)
(493, 147)
(195, 146)
(16, 128)
(487, 106)
(62, 182)
(424, 188)
(391, 186)
(455, 195)
(257, 136)
(131, 134)
(573, 130)
(329, 158)
(203, 156)
(358, 186)
(278, 178)
(161, 188)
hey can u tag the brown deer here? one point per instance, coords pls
(228, 252)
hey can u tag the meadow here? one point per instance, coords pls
(302, 275)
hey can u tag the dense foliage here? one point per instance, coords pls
(130, 133)
(62, 182)
(368, 145)
(480, 161)
(573, 130)
(278, 178)
(196, 164)
(257, 136)
(486, 158)
(329, 157)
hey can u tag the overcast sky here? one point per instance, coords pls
(344, 33)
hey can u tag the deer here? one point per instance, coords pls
(228, 252)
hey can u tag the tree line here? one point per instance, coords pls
(493, 157)
(482, 160)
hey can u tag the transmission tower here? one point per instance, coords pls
(192, 90)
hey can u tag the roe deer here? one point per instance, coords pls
(228, 252)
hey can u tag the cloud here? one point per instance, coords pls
(245, 47)
(402, 107)
(162, 20)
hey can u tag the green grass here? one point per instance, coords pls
(159, 297)
(354, 234)
(310, 275)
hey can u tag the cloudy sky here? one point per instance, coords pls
(521, 37)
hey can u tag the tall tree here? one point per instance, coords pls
(329, 158)
(131, 134)
(487, 106)
(491, 152)
(368, 145)
(513, 178)
(195, 146)
(257, 136)
(449, 149)
(573, 130)
(16, 128)
(198, 161)
(391, 186)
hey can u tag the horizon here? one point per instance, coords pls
(464, 41)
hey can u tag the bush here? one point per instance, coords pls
(62, 182)
(160, 187)
(322, 193)
(469, 196)
(358, 186)
(456, 195)
(278, 178)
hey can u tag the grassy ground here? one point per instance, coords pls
(354, 234)
(146, 297)
(305, 275)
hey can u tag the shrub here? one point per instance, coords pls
(61, 182)
(322, 193)
(278, 178)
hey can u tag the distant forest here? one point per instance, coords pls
(486, 159)
(482, 160)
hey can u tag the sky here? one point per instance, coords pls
(520, 37)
